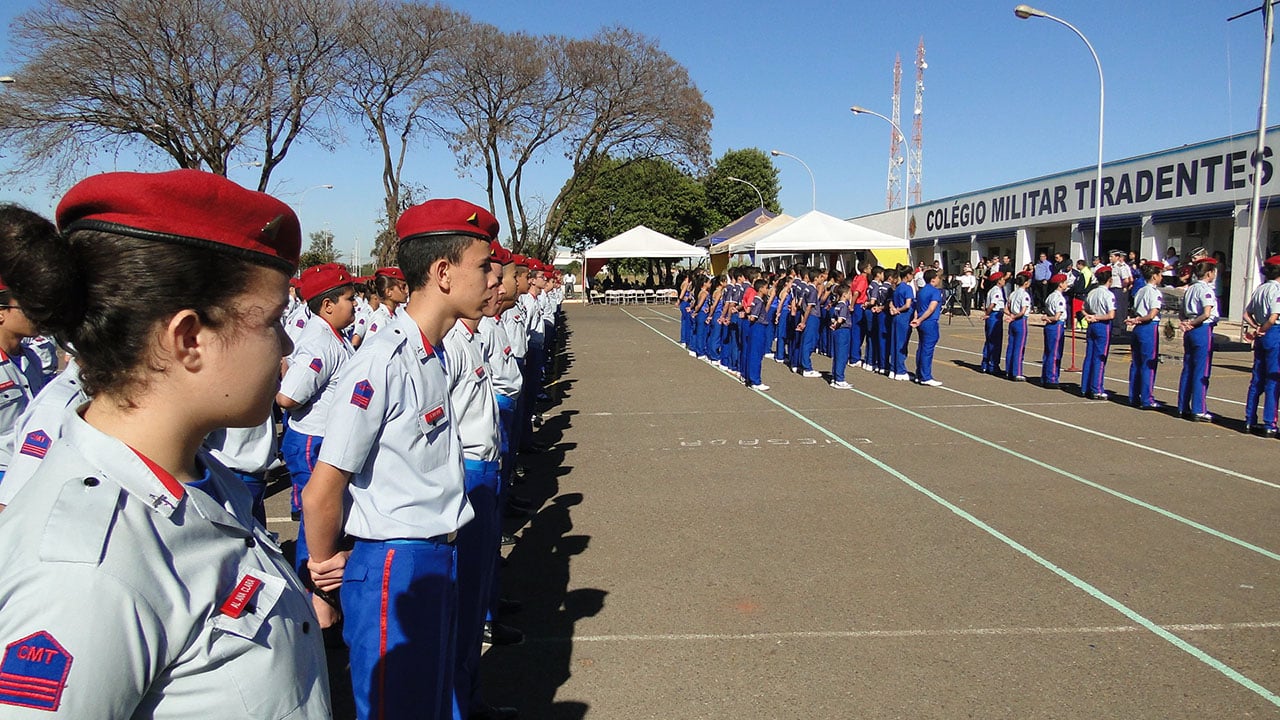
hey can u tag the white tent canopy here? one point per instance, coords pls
(641, 242)
(743, 242)
(817, 231)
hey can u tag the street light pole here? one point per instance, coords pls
(812, 183)
(753, 187)
(906, 198)
(1026, 11)
(252, 163)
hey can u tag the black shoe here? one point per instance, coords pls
(295, 515)
(1269, 433)
(507, 606)
(519, 471)
(1153, 406)
(1049, 386)
(508, 539)
(482, 711)
(535, 449)
(516, 513)
(495, 633)
(520, 503)
(543, 397)
(1202, 417)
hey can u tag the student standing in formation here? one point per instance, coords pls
(308, 387)
(1261, 316)
(928, 310)
(858, 323)
(685, 299)
(1199, 313)
(776, 343)
(891, 280)
(994, 324)
(1099, 311)
(397, 462)
(807, 321)
(1055, 315)
(901, 311)
(877, 291)
(1015, 311)
(195, 612)
(392, 292)
(21, 374)
(757, 336)
(1144, 345)
(841, 335)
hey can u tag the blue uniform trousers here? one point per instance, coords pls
(1051, 362)
(901, 342)
(808, 343)
(841, 342)
(753, 353)
(685, 324)
(477, 551)
(780, 338)
(1017, 347)
(1144, 352)
(1197, 364)
(886, 342)
(699, 331)
(928, 342)
(856, 329)
(994, 328)
(1265, 383)
(1096, 348)
(400, 601)
(300, 455)
(875, 349)
(257, 486)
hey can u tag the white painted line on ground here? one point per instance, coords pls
(1094, 592)
(922, 633)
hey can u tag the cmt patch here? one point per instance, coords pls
(480, 372)
(301, 323)
(36, 444)
(34, 672)
(373, 327)
(433, 417)
(362, 394)
(316, 364)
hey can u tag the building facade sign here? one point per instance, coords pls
(1213, 172)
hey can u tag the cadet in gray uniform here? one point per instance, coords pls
(136, 583)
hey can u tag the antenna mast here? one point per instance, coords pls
(893, 188)
(915, 165)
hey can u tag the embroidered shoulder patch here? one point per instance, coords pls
(316, 364)
(362, 394)
(34, 672)
(36, 444)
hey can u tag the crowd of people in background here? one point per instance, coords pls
(738, 320)
(135, 476)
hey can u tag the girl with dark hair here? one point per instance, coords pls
(1199, 315)
(171, 287)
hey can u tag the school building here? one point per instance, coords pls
(1185, 197)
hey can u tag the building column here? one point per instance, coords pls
(1242, 265)
(1024, 246)
(975, 253)
(1155, 239)
(1080, 242)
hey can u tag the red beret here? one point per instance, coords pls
(1209, 260)
(391, 272)
(1157, 264)
(1273, 260)
(1024, 275)
(499, 254)
(1102, 270)
(519, 259)
(188, 207)
(1058, 278)
(447, 217)
(320, 279)
(995, 276)
(3, 285)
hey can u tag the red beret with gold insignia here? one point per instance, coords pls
(187, 207)
(447, 217)
(320, 279)
(392, 272)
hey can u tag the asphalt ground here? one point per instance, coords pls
(987, 549)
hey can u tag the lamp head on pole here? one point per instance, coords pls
(858, 110)
(1026, 11)
(6, 80)
(775, 153)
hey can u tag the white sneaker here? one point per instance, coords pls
(867, 367)
(841, 385)
(811, 374)
(759, 387)
(692, 354)
(903, 377)
(779, 360)
(932, 383)
(768, 355)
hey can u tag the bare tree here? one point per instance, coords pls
(394, 53)
(197, 80)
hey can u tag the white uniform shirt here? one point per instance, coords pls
(393, 428)
(248, 450)
(500, 357)
(313, 375)
(360, 325)
(533, 316)
(517, 327)
(1019, 301)
(471, 394)
(1264, 302)
(1055, 306)
(1119, 273)
(382, 318)
(47, 350)
(38, 426)
(296, 321)
(126, 596)
(21, 378)
(995, 298)
(1199, 297)
(1099, 301)
(1147, 298)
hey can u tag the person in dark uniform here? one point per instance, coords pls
(1199, 312)
(994, 324)
(1099, 310)
(1055, 315)
(1144, 343)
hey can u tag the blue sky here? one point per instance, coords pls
(1005, 99)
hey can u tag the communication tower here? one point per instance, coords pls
(915, 165)
(893, 188)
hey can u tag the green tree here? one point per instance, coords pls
(728, 200)
(320, 251)
(651, 191)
